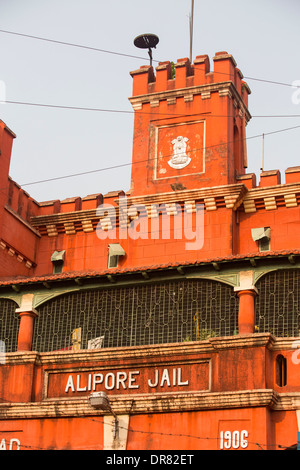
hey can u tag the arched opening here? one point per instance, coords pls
(281, 370)
(9, 325)
(277, 306)
(237, 149)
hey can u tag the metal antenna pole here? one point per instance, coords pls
(116, 423)
(263, 153)
(150, 55)
(191, 30)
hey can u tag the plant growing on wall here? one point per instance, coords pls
(202, 335)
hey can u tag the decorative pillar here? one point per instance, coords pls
(247, 311)
(27, 315)
(246, 293)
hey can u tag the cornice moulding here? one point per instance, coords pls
(237, 190)
(147, 403)
(269, 191)
(234, 196)
(154, 403)
(225, 89)
(289, 192)
(139, 353)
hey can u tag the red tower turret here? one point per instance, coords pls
(189, 129)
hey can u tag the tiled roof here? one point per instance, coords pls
(118, 271)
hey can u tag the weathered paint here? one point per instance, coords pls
(216, 394)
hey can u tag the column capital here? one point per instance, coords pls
(246, 283)
(32, 311)
(27, 315)
(250, 290)
(246, 292)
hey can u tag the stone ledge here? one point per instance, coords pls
(150, 403)
(227, 89)
(125, 210)
(267, 196)
(139, 353)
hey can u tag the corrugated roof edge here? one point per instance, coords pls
(115, 271)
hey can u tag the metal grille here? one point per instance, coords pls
(9, 324)
(138, 315)
(278, 303)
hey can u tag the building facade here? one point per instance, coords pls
(180, 299)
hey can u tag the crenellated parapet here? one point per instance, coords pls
(183, 74)
(172, 80)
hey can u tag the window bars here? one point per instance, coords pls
(147, 314)
(277, 308)
(138, 315)
(9, 325)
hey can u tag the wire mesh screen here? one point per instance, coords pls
(9, 325)
(138, 315)
(277, 308)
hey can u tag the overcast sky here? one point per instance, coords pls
(262, 35)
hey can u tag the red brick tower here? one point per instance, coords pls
(189, 129)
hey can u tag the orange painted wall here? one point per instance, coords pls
(232, 370)
(194, 430)
(182, 430)
(198, 430)
(88, 252)
(25, 252)
(84, 433)
(223, 236)
(285, 228)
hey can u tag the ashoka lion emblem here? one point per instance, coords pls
(179, 159)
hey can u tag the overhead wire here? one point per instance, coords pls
(122, 165)
(100, 420)
(123, 111)
(64, 43)
(128, 164)
(96, 49)
(112, 167)
(152, 112)
(126, 55)
(129, 429)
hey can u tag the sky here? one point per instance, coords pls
(54, 143)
